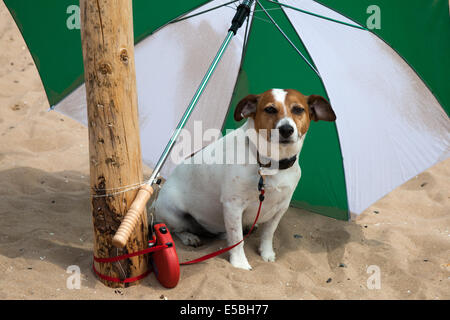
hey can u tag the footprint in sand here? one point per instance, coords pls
(16, 107)
(20, 108)
(420, 182)
(425, 182)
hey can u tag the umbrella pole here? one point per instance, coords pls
(114, 143)
(132, 217)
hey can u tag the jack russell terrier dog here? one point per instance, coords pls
(223, 198)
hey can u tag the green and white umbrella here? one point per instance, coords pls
(389, 86)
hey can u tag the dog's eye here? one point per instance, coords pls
(270, 110)
(297, 110)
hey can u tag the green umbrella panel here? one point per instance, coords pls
(177, 54)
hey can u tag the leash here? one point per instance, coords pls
(154, 248)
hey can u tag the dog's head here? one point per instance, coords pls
(283, 116)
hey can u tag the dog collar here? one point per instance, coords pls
(283, 164)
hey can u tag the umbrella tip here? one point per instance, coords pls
(51, 108)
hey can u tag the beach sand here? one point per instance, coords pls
(46, 225)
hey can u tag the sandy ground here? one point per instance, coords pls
(45, 223)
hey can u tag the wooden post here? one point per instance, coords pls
(114, 144)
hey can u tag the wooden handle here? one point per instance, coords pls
(131, 219)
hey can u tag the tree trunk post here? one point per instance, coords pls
(114, 144)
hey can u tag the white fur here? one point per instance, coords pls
(280, 96)
(224, 198)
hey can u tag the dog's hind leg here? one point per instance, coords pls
(178, 222)
(181, 226)
(189, 239)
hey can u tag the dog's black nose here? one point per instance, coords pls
(286, 130)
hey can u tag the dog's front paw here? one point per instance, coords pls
(240, 262)
(268, 255)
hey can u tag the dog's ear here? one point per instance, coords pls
(246, 107)
(320, 109)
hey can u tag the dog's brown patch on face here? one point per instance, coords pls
(264, 120)
(289, 108)
(295, 100)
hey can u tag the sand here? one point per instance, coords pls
(45, 222)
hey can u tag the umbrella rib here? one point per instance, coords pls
(244, 47)
(318, 15)
(270, 9)
(207, 10)
(261, 19)
(289, 40)
(246, 35)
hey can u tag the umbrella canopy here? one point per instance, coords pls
(388, 87)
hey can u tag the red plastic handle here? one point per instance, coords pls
(166, 261)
